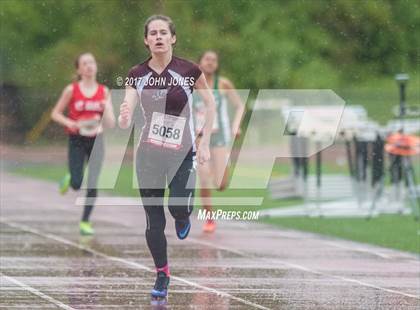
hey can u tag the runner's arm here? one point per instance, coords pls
(127, 107)
(108, 117)
(210, 104)
(57, 113)
(236, 101)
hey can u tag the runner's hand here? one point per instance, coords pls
(124, 118)
(72, 125)
(203, 153)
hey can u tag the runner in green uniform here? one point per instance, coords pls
(214, 173)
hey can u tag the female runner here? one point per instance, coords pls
(87, 102)
(166, 153)
(215, 172)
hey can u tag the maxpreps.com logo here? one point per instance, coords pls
(159, 94)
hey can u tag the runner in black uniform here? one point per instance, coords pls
(166, 153)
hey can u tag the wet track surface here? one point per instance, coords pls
(46, 264)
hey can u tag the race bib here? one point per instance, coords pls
(200, 120)
(166, 130)
(89, 127)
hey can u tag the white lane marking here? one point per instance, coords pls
(294, 266)
(358, 249)
(303, 268)
(127, 262)
(36, 292)
(202, 242)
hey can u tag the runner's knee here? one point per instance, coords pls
(155, 217)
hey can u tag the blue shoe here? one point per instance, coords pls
(182, 228)
(160, 290)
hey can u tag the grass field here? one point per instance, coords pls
(394, 231)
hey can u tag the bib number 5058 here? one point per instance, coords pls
(167, 132)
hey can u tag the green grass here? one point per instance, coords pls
(56, 172)
(393, 231)
(42, 171)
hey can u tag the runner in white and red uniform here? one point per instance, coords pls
(84, 109)
(166, 153)
(87, 103)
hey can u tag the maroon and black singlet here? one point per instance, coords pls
(166, 152)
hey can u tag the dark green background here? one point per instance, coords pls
(352, 47)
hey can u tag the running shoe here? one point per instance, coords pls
(65, 184)
(86, 228)
(160, 290)
(209, 226)
(182, 228)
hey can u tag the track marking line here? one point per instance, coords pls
(36, 292)
(358, 249)
(295, 266)
(127, 262)
(303, 268)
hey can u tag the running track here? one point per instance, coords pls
(45, 264)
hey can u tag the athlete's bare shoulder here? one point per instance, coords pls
(106, 89)
(68, 89)
(225, 83)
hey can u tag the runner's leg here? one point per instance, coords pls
(152, 182)
(155, 229)
(219, 156)
(95, 153)
(181, 190)
(77, 155)
(205, 176)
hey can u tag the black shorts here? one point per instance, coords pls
(157, 170)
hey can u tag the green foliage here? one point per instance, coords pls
(332, 44)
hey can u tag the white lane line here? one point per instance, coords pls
(127, 262)
(294, 266)
(358, 249)
(303, 268)
(353, 246)
(409, 258)
(36, 292)
(220, 247)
